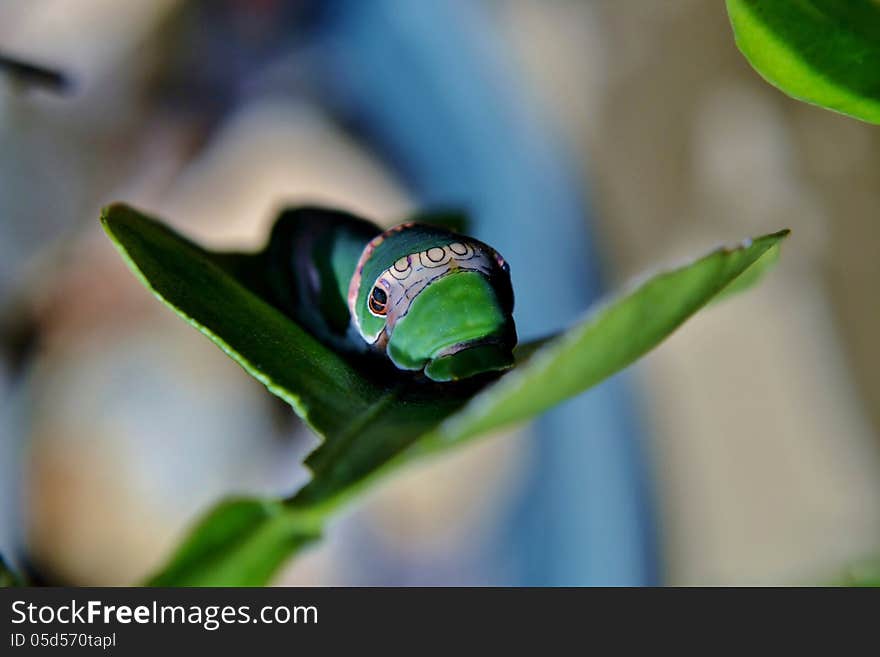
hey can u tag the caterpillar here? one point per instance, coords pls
(423, 296)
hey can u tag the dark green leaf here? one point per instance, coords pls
(825, 52)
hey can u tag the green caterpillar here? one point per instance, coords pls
(428, 298)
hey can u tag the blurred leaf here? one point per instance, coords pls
(866, 574)
(8, 577)
(825, 52)
(454, 220)
(373, 419)
(239, 543)
(34, 75)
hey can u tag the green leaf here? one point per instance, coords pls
(751, 276)
(590, 352)
(372, 419)
(824, 52)
(8, 577)
(321, 386)
(865, 574)
(240, 542)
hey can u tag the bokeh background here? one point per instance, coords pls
(591, 140)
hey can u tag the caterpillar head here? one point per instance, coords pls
(434, 301)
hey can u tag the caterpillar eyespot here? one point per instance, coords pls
(378, 302)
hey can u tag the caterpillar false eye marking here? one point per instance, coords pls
(378, 302)
(428, 298)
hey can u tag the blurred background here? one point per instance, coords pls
(591, 141)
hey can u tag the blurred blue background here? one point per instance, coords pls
(589, 141)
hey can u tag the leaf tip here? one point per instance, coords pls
(112, 211)
(772, 238)
(777, 237)
(782, 234)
